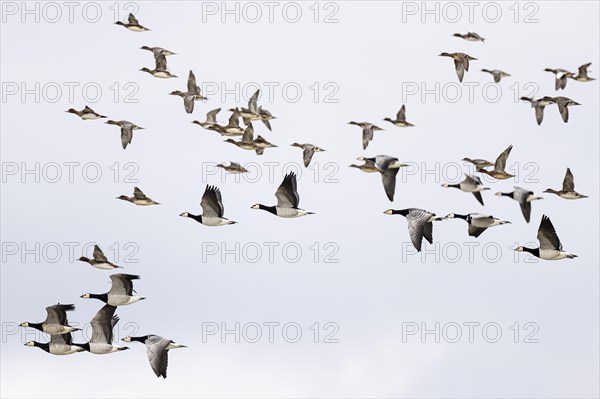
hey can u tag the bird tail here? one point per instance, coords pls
(571, 256)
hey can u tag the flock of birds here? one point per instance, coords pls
(420, 222)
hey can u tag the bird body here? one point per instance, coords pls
(400, 119)
(471, 184)
(550, 246)
(287, 200)
(127, 129)
(478, 223)
(308, 150)
(498, 172)
(212, 209)
(157, 349)
(121, 291)
(139, 198)
(99, 260)
(132, 24)
(524, 198)
(388, 167)
(56, 322)
(367, 131)
(420, 224)
(86, 113)
(568, 188)
(461, 63)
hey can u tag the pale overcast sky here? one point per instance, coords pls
(349, 267)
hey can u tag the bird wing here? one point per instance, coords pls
(248, 136)
(234, 119)
(267, 124)
(307, 154)
(568, 182)
(161, 62)
(547, 235)
(428, 232)
(252, 102)
(158, 355)
(460, 70)
(61, 339)
(126, 135)
(389, 182)
(476, 231)
(401, 116)
(122, 284)
(539, 113)
(211, 116)
(472, 179)
(478, 197)
(564, 111)
(58, 314)
(525, 208)
(138, 194)
(212, 203)
(188, 104)
(99, 255)
(367, 135)
(287, 193)
(501, 160)
(132, 20)
(103, 323)
(497, 77)
(192, 87)
(583, 69)
(417, 219)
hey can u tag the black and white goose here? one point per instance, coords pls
(388, 167)
(139, 198)
(58, 345)
(308, 150)
(367, 131)
(550, 247)
(478, 223)
(86, 114)
(400, 120)
(211, 119)
(132, 24)
(157, 349)
(524, 198)
(568, 188)
(127, 129)
(120, 293)
(191, 95)
(212, 209)
(102, 332)
(420, 224)
(56, 322)
(471, 184)
(287, 200)
(539, 104)
(99, 260)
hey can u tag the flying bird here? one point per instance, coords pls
(471, 184)
(539, 104)
(56, 322)
(470, 37)
(582, 75)
(388, 167)
(287, 200)
(157, 349)
(550, 246)
(103, 324)
(139, 198)
(461, 63)
(212, 209)
(160, 68)
(58, 345)
(308, 150)
(560, 77)
(420, 224)
(120, 293)
(191, 95)
(132, 24)
(478, 223)
(367, 131)
(562, 103)
(233, 167)
(524, 198)
(99, 260)
(568, 188)
(86, 114)
(400, 120)
(211, 119)
(127, 129)
(498, 172)
(496, 74)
